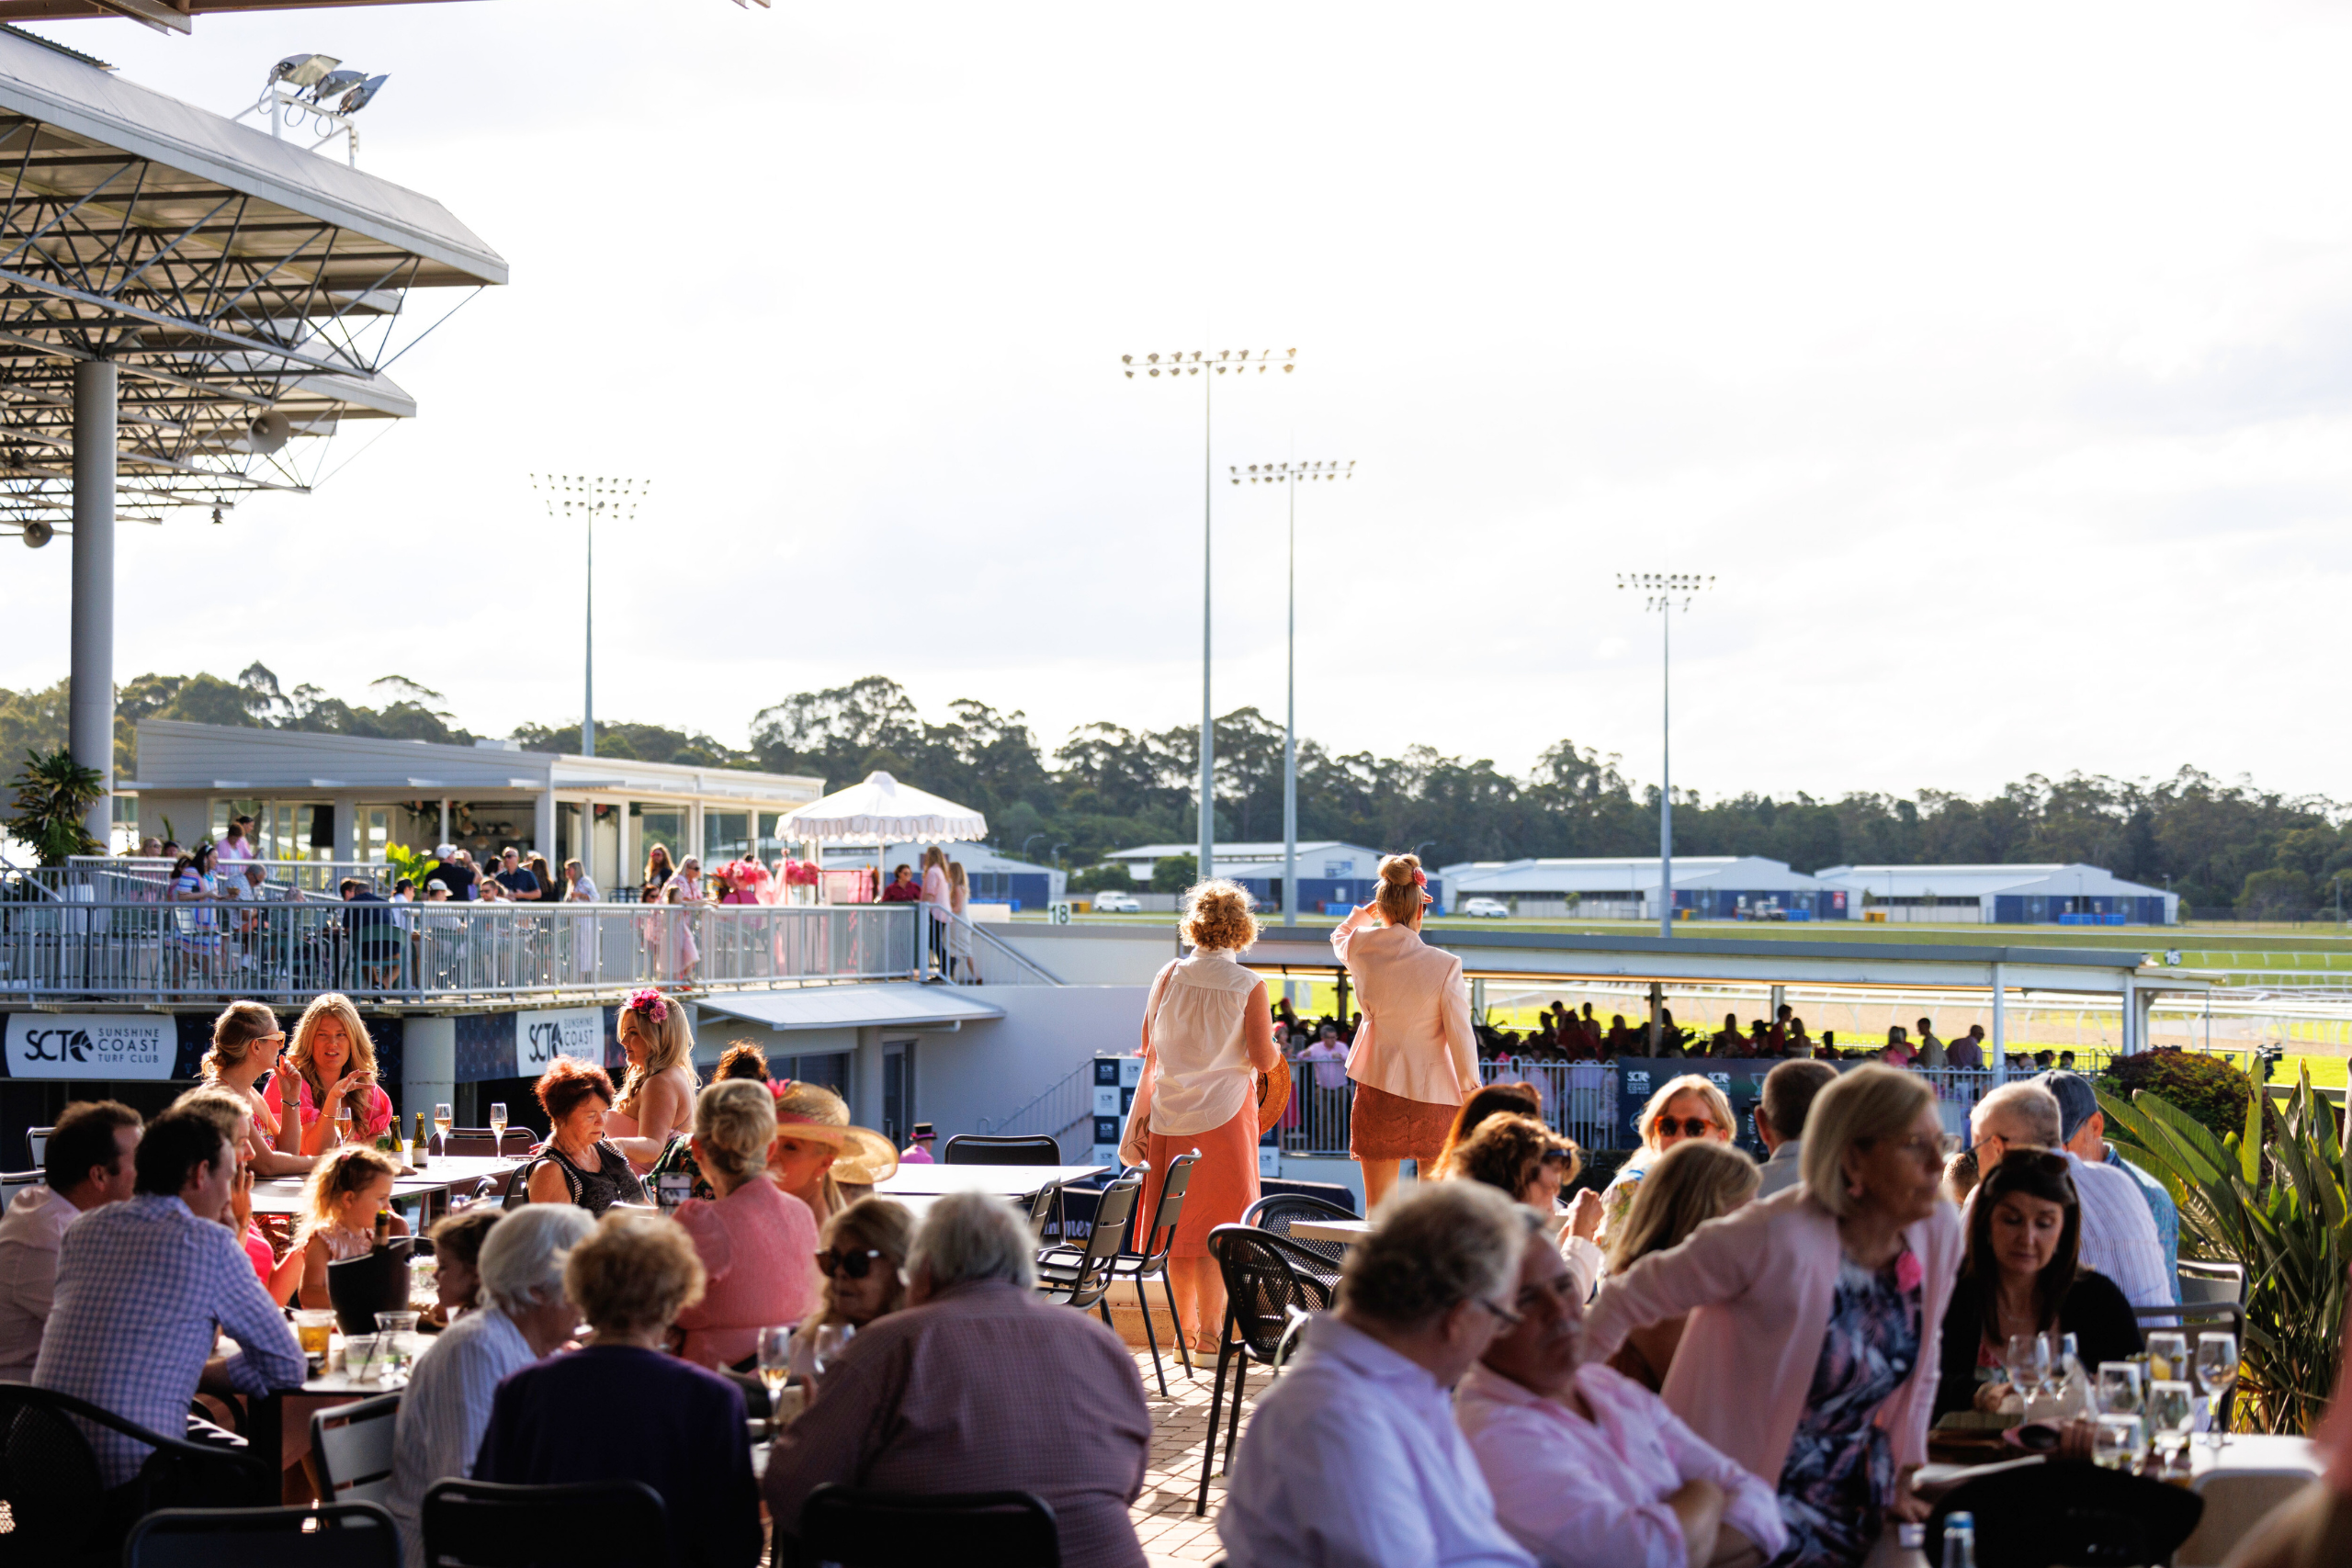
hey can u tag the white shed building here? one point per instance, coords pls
(1713, 888)
(2056, 894)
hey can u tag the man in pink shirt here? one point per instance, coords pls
(89, 1159)
(1587, 1468)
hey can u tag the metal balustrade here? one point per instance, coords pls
(139, 949)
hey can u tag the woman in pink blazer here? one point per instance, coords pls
(1810, 1356)
(1414, 1060)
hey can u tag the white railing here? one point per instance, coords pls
(152, 950)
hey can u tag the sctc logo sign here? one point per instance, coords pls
(541, 1037)
(543, 1043)
(90, 1045)
(57, 1045)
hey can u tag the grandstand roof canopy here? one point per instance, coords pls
(164, 16)
(249, 291)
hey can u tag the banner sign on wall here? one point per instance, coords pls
(540, 1037)
(92, 1045)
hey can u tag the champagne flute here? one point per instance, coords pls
(498, 1125)
(2217, 1368)
(775, 1367)
(443, 1121)
(2172, 1410)
(342, 1123)
(2028, 1360)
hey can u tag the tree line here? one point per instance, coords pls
(2224, 846)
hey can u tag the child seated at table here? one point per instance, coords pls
(339, 1205)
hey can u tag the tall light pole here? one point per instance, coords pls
(1208, 365)
(1664, 593)
(1290, 476)
(583, 496)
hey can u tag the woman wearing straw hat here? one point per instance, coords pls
(817, 1157)
(1207, 1034)
(1414, 1060)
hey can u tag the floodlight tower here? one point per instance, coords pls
(583, 496)
(1290, 476)
(1208, 365)
(1664, 593)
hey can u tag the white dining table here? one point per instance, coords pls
(283, 1194)
(1005, 1180)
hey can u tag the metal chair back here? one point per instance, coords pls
(972, 1148)
(2204, 1283)
(488, 1523)
(1089, 1282)
(475, 1143)
(882, 1529)
(1270, 1284)
(36, 1140)
(51, 1489)
(352, 1446)
(1150, 1255)
(15, 1181)
(1041, 1212)
(1276, 1212)
(333, 1535)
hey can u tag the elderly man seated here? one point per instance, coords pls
(2119, 1232)
(1353, 1457)
(1589, 1469)
(980, 1385)
(524, 1315)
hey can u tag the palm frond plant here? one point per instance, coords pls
(414, 864)
(53, 793)
(2283, 1209)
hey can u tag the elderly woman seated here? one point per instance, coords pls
(757, 1242)
(944, 1396)
(865, 1263)
(1588, 1469)
(518, 1267)
(1354, 1456)
(578, 1164)
(623, 1410)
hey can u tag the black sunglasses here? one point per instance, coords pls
(849, 1265)
(1694, 1127)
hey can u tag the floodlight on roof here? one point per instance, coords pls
(333, 83)
(359, 97)
(302, 70)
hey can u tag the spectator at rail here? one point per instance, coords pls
(1787, 1100)
(550, 890)
(1782, 1020)
(2119, 1233)
(1329, 1057)
(903, 888)
(90, 1162)
(453, 873)
(2065, 1061)
(237, 844)
(1898, 1052)
(1726, 1040)
(1695, 1182)
(659, 869)
(1932, 1055)
(1760, 1041)
(2045, 1060)
(516, 877)
(1968, 1051)
(1798, 1045)
(2083, 1125)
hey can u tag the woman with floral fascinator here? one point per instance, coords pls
(657, 1095)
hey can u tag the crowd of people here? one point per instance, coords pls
(1562, 1033)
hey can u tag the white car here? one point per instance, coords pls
(1117, 904)
(1487, 908)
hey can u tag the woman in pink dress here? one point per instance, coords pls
(335, 1063)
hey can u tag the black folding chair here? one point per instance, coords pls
(52, 1496)
(1151, 1257)
(333, 1535)
(971, 1149)
(353, 1447)
(359, 1288)
(2042, 1516)
(488, 1523)
(1276, 1212)
(1086, 1282)
(477, 1143)
(1270, 1287)
(887, 1529)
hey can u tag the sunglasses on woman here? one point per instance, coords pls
(849, 1265)
(1693, 1128)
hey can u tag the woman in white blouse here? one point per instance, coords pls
(1207, 1034)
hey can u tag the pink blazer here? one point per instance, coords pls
(1757, 1284)
(1414, 1040)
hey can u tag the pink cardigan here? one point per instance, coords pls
(1757, 1284)
(759, 1247)
(1414, 1040)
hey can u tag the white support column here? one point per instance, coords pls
(90, 721)
(428, 1065)
(349, 843)
(2130, 1045)
(543, 825)
(2000, 1020)
(865, 1079)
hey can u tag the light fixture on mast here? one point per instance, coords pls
(310, 89)
(1664, 592)
(584, 496)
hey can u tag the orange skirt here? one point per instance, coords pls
(1388, 1127)
(1223, 1183)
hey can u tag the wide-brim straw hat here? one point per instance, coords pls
(812, 1110)
(1273, 1094)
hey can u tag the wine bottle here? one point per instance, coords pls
(421, 1141)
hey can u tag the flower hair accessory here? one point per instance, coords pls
(649, 1002)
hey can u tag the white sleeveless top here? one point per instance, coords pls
(1195, 1013)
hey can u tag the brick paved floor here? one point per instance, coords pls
(1163, 1510)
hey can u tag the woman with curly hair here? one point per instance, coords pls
(1414, 1059)
(578, 1164)
(656, 1096)
(1519, 1155)
(1207, 1034)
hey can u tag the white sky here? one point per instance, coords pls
(1995, 358)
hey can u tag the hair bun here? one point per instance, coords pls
(1399, 869)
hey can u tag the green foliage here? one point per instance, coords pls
(1101, 878)
(2280, 1209)
(2277, 894)
(1174, 873)
(2211, 1089)
(53, 793)
(414, 864)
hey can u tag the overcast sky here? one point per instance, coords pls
(1994, 357)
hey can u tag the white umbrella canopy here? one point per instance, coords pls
(882, 810)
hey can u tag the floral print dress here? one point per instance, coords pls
(1840, 1471)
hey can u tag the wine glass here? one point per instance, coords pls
(498, 1124)
(2172, 1410)
(342, 1123)
(2119, 1388)
(2168, 1355)
(2217, 1368)
(776, 1366)
(443, 1119)
(2117, 1442)
(833, 1338)
(2028, 1361)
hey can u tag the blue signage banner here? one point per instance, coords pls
(1639, 1077)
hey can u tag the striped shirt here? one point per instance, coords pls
(444, 1412)
(142, 1288)
(2120, 1233)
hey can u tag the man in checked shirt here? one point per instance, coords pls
(142, 1286)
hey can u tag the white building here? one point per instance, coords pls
(1319, 859)
(2005, 895)
(1713, 888)
(995, 878)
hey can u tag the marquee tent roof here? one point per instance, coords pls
(883, 809)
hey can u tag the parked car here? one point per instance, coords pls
(1488, 908)
(1117, 904)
